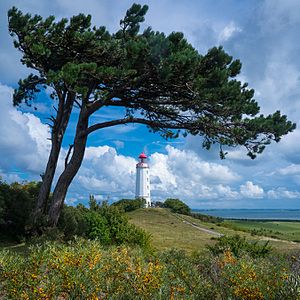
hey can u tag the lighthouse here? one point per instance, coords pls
(143, 180)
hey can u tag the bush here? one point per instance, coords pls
(177, 206)
(16, 204)
(207, 218)
(80, 270)
(239, 246)
(72, 221)
(84, 269)
(129, 204)
(103, 222)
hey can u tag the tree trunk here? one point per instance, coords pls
(48, 176)
(70, 171)
(58, 131)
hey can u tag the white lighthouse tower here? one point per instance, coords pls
(143, 180)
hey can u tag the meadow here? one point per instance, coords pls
(286, 230)
(169, 230)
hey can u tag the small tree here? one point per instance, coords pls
(129, 204)
(177, 206)
(160, 81)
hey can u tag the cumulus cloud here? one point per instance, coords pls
(289, 146)
(283, 193)
(183, 173)
(251, 190)
(104, 171)
(23, 140)
(177, 173)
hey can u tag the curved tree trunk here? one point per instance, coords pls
(70, 171)
(47, 179)
(58, 131)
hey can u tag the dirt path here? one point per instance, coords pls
(209, 231)
(266, 238)
(217, 234)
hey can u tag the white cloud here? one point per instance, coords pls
(226, 191)
(183, 174)
(290, 170)
(178, 173)
(104, 171)
(251, 190)
(289, 146)
(23, 139)
(283, 193)
(229, 31)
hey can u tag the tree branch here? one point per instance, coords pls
(150, 123)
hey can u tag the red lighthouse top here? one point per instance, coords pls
(142, 163)
(143, 155)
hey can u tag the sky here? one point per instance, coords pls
(263, 34)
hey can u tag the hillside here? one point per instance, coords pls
(170, 230)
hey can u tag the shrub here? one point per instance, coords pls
(177, 206)
(207, 218)
(129, 204)
(97, 227)
(73, 221)
(239, 246)
(80, 270)
(103, 222)
(84, 269)
(182, 279)
(255, 279)
(16, 204)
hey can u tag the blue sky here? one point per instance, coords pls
(263, 34)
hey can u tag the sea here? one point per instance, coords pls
(253, 214)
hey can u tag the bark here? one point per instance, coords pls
(70, 170)
(58, 131)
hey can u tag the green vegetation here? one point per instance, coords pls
(85, 269)
(177, 206)
(206, 218)
(239, 246)
(129, 204)
(169, 230)
(106, 223)
(114, 258)
(16, 204)
(276, 229)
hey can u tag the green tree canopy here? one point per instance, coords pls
(177, 206)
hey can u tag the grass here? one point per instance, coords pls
(277, 229)
(169, 231)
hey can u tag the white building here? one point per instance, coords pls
(143, 180)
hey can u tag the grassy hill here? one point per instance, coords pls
(170, 230)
